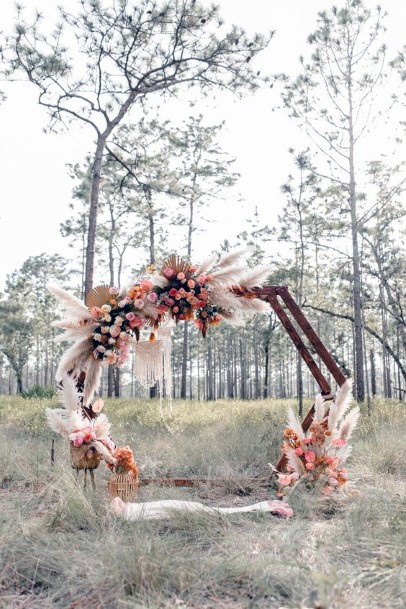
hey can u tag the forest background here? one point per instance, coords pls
(313, 112)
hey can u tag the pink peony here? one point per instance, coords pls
(152, 297)
(136, 322)
(115, 331)
(113, 291)
(284, 479)
(139, 303)
(298, 451)
(169, 273)
(96, 312)
(169, 302)
(130, 316)
(78, 441)
(146, 285)
(310, 456)
(309, 466)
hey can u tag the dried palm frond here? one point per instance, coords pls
(340, 405)
(295, 424)
(98, 296)
(70, 303)
(176, 263)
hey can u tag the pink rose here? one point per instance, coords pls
(307, 441)
(152, 297)
(202, 279)
(78, 441)
(310, 456)
(181, 276)
(338, 442)
(299, 451)
(136, 322)
(169, 302)
(173, 292)
(115, 331)
(96, 312)
(113, 291)
(284, 479)
(130, 316)
(146, 285)
(169, 273)
(309, 466)
(191, 283)
(139, 303)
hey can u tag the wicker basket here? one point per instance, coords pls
(84, 457)
(124, 486)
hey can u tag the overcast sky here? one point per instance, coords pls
(36, 190)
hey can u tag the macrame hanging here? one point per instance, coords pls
(152, 365)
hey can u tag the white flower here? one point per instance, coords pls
(107, 317)
(106, 308)
(105, 329)
(101, 348)
(112, 341)
(122, 335)
(122, 303)
(108, 352)
(118, 321)
(97, 336)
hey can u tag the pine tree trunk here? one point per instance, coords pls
(183, 386)
(373, 371)
(94, 204)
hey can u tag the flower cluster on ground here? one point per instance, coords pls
(318, 456)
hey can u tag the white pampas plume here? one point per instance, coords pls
(76, 354)
(319, 408)
(70, 303)
(69, 394)
(348, 424)
(102, 426)
(208, 264)
(104, 452)
(228, 276)
(220, 297)
(57, 421)
(295, 424)
(231, 317)
(295, 461)
(255, 278)
(74, 334)
(340, 405)
(253, 305)
(344, 453)
(231, 258)
(160, 281)
(92, 381)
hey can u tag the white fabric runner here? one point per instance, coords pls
(165, 509)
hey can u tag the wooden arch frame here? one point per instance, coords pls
(274, 294)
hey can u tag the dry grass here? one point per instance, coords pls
(60, 546)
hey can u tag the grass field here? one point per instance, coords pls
(61, 547)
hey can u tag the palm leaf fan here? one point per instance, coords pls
(176, 263)
(99, 296)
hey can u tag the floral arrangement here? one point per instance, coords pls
(124, 462)
(103, 328)
(318, 456)
(70, 423)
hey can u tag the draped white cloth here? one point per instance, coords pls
(155, 510)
